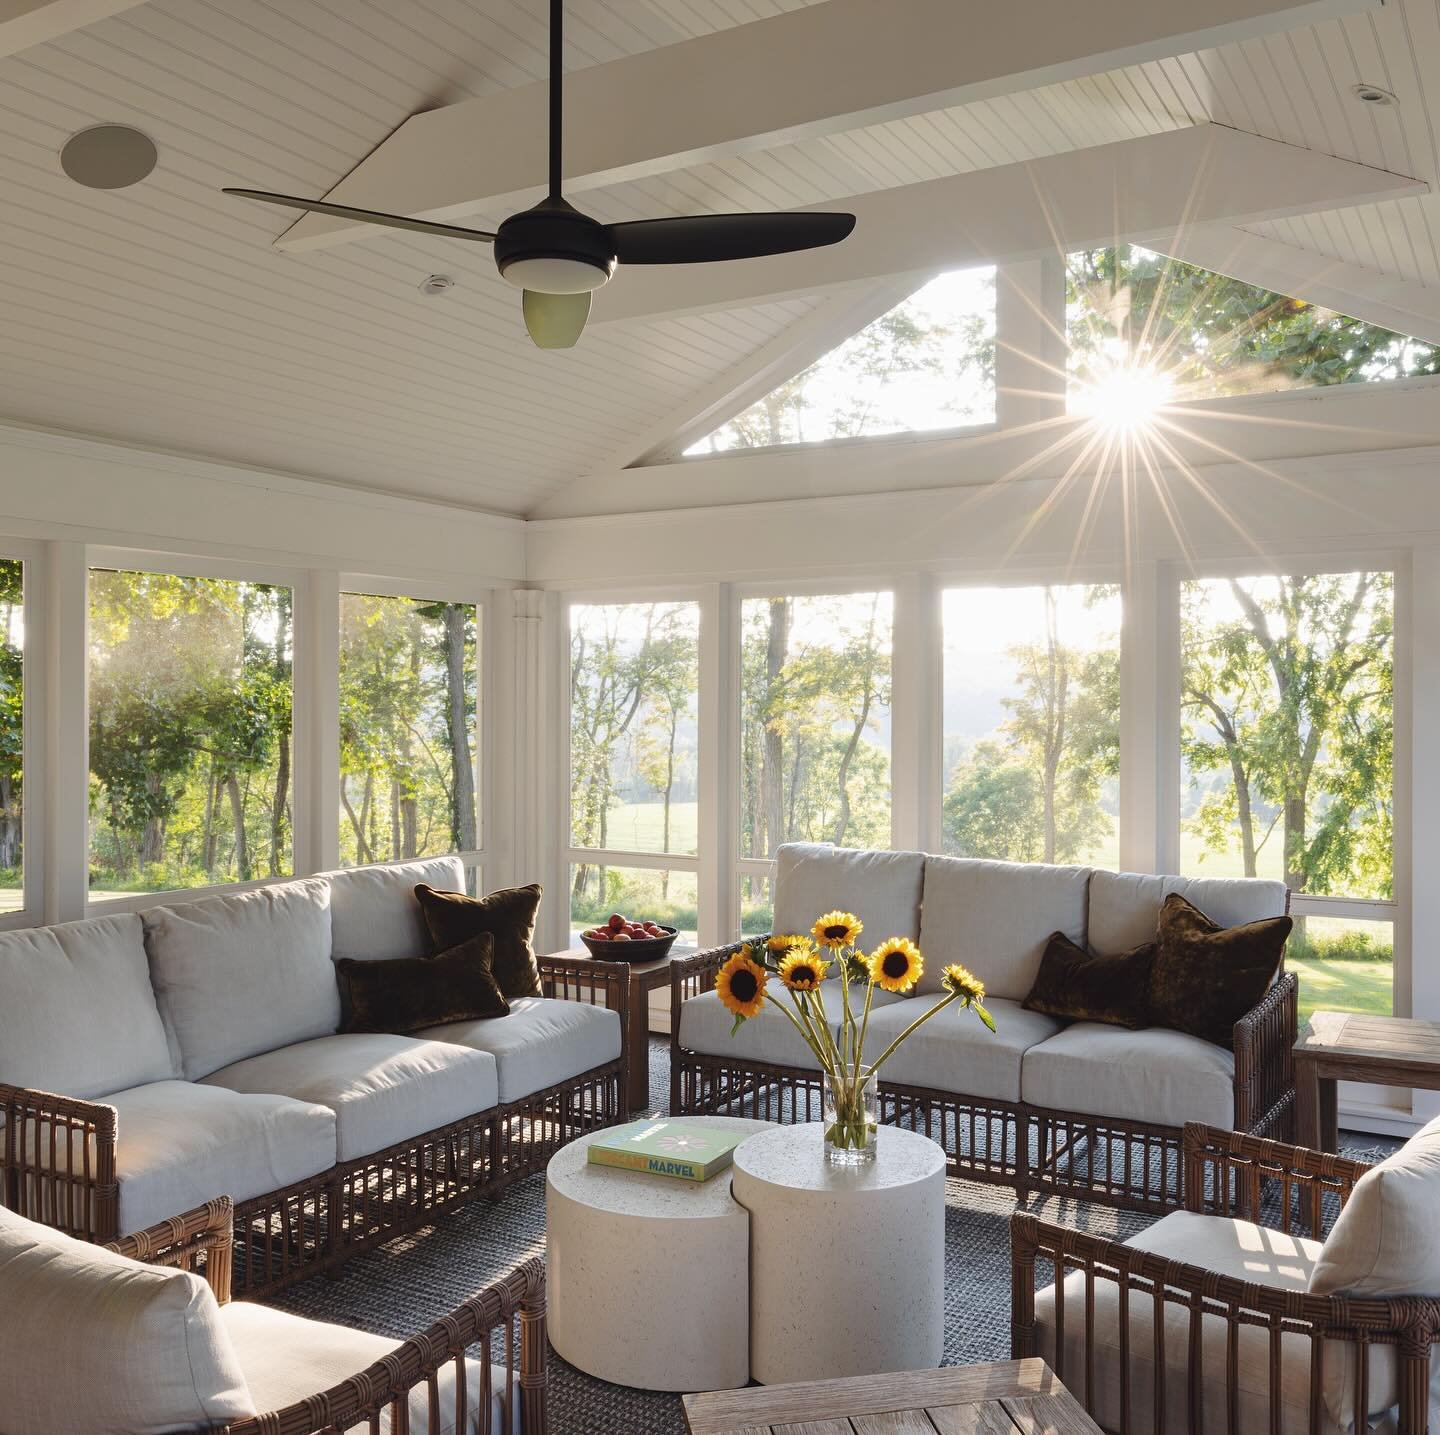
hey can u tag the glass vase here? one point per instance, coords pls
(852, 1114)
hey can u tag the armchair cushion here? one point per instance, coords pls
(1125, 906)
(286, 1358)
(954, 1051)
(1163, 1077)
(881, 888)
(180, 1144)
(1233, 1248)
(374, 911)
(239, 975)
(77, 1012)
(404, 994)
(996, 918)
(382, 1089)
(98, 1343)
(542, 1042)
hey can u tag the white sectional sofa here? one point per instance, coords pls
(151, 1062)
(1083, 1108)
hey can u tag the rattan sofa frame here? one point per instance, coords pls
(1227, 1173)
(1128, 1164)
(200, 1241)
(59, 1162)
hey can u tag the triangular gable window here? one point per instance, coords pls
(929, 363)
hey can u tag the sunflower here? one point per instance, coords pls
(896, 965)
(740, 984)
(962, 982)
(837, 929)
(778, 943)
(802, 970)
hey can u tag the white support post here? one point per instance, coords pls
(1030, 351)
(317, 722)
(1417, 847)
(65, 627)
(915, 715)
(1149, 721)
(718, 781)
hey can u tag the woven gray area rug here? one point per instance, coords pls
(401, 1287)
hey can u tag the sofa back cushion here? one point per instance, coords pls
(997, 918)
(77, 1013)
(373, 911)
(881, 888)
(96, 1342)
(1125, 906)
(237, 976)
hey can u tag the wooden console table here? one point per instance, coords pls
(645, 977)
(1341, 1046)
(1006, 1398)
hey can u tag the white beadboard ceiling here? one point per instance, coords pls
(161, 315)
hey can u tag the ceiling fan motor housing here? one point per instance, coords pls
(554, 249)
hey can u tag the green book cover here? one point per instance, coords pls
(667, 1148)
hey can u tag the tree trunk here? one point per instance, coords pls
(152, 836)
(282, 736)
(357, 820)
(772, 782)
(462, 797)
(842, 820)
(669, 788)
(9, 823)
(237, 819)
(394, 818)
(207, 835)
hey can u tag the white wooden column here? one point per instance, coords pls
(1417, 845)
(65, 627)
(717, 782)
(1029, 343)
(1150, 720)
(317, 722)
(915, 714)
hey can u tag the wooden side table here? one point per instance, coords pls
(645, 977)
(1342, 1046)
(1005, 1398)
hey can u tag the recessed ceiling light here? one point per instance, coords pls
(434, 284)
(1372, 94)
(108, 156)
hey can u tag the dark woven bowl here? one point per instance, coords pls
(650, 950)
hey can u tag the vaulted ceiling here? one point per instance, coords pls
(165, 315)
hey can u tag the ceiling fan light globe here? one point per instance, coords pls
(555, 274)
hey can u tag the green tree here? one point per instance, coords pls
(1290, 700)
(12, 716)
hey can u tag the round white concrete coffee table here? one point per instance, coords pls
(847, 1265)
(647, 1278)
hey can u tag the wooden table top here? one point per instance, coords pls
(1386, 1040)
(1012, 1397)
(642, 969)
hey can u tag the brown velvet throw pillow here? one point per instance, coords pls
(405, 994)
(1206, 977)
(1077, 986)
(509, 917)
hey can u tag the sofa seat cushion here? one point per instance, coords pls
(768, 1038)
(181, 1144)
(540, 1044)
(382, 1089)
(955, 1051)
(1125, 906)
(235, 976)
(881, 888)
(997, 918)
(287, 1358)
(77, 1012)
(1234, 1248)
(95, 1344)
(374, 912)
(1163, 1077)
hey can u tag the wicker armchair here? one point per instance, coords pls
(1153, 1343)
(379, 1397)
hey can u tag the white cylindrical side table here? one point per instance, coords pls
(647, 1278)
(847, 1264)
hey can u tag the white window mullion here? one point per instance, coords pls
(717, 787)
(914, 715)
(67, 778)
(316, 723)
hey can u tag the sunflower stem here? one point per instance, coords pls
(914, 1026)
(794, 1021)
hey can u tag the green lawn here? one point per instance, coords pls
(1339, 985)
(640, 826)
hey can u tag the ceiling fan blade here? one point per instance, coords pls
(555, 321)
(704, 238)
(366, 216)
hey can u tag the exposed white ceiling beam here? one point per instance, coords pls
(1146, 190)
(1353, 289)
(24, 23)
(806, 72)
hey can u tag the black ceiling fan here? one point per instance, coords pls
(559, 256)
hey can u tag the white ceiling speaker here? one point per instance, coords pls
(1372, 94)
(108, 156)
(434, 284)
